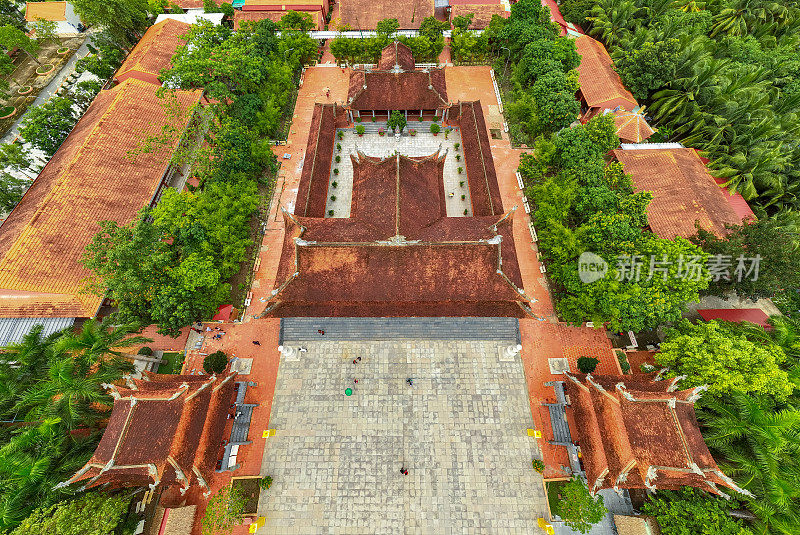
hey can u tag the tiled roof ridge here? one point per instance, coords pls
(314, 160)
(157, 30)
(483, 159)
(432, 87)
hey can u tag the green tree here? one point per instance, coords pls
(10, 15)
(12, 188)
(95, 513)
(224, 510)
(649, 67)
(690, 512)
(387, 27)
(709, 353)
(47, 126)
(216, 362)
(12, 37)
(462, 22)
(45, 31)
(98, 340)
(105, 56)
(432, 29)
(296, 20)
(756, 443)
(578, 508)
(397, 121)
(777, 246)
(125, 20)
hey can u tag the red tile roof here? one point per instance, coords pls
(275, 16)
(483, 13)
(683, 191)
(396, 56)
(90, 178)
(600, 84)
(188, 4)
(153, 51)
(484, 190)
(631, 126)
(640, 433)
(163, 429)
(753, 315)
(382, 90)
(400, 258)
(363, 15)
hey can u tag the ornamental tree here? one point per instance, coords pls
(578, 508)
(47, 126)
(216, 362)
(125, 20)
(397, 121)
(95, 513)
(712, 353)
(224, 511)
(690, 512)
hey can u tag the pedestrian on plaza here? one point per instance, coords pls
(355, 380)
(410, 381)
(256, 343)
(320, 331)
(359, 359)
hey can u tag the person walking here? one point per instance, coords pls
(256, 343)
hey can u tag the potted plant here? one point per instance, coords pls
(458, 157)
(335, 170)
(435, 129)
(358, 119)
(460, 170)
(360, 130)
(330, 213)
(7, 111)
(447, 132)
(397, 121)
(381, 132)
(537, 464)
(420, 118)
(333, 198)
(463, 197)
(339, 145)
(340, 135)
(374, 119)
(461, 183)
(334, 184)
(63, 50)
(412, 132)
(337, 159)
(465, 211)
(457, 146)
(587, 364)
(24, 90)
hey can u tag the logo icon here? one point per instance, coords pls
(591, 267)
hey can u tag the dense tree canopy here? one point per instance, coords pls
(721, 76)
(93, 514)
(125, 20)
(579, 509)
(690, 512)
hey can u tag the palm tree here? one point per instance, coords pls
(98, 340)
(758, 447)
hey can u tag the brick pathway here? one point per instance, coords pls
(460, 430)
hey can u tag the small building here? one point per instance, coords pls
(631, 125)
(62, 13)
(600, 86)
(274, 10)
(365, 15)
(240, 16)
(482, 11)
(397, 85)
(163, 430)
(639, 432)
(684, 192)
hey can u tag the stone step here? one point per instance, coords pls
(354, 329)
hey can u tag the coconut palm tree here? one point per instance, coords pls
(757, 444)
(99, 340)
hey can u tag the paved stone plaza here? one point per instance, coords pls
(422, 144)
(460, 430)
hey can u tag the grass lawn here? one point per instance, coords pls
(553, 488)
(171, 363)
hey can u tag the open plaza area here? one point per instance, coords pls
(460, 430)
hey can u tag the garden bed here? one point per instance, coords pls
(47, 68)
(62, 51)
(250, 489)
(24, 90)
(171, 363)
(553, 490)
(7, 112)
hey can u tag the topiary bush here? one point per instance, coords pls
(144, 350)
(538, 465)
(587, 364)
(265, 483)
(216, 362)
(435, 129)
(360, 130)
